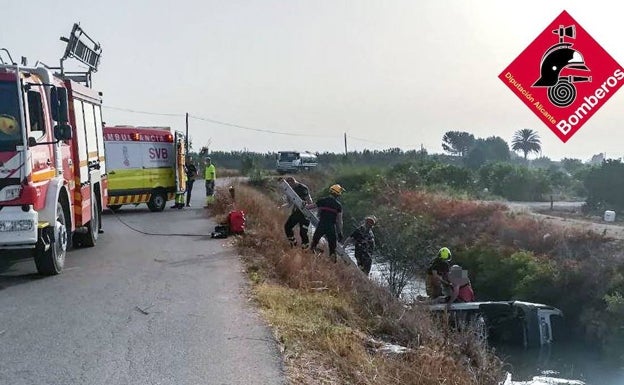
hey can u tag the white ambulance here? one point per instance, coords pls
(145, 165)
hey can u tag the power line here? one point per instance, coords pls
(377, 142)
(141, 112)
(366, 140)
(219, 122)
(264, 130)
(259, 129)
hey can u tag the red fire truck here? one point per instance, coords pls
(52, 165)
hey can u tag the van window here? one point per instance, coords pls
(545, 329)
(35, 114)
(288, 156)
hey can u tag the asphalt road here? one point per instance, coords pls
(137, 309)
(557, 205)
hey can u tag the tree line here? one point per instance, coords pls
(481, 167)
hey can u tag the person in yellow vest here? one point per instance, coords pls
(210, 176)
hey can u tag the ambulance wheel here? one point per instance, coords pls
(158, 201)
(52, 260)
(114, 208)
(89, 239)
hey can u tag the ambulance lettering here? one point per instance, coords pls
(158, 153)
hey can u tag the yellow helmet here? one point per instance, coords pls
(8, 125)
(444, 254)
(372, 219)
(336, 189)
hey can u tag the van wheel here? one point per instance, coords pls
(114, 208)
(52, 260)
(158, 201)
(89, 239)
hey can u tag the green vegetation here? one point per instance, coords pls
(509, 255)
(426, 201)
(604, 186)
(457, 142)
(482, 168)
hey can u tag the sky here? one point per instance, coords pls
(386, 73)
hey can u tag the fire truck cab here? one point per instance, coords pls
(52, 165)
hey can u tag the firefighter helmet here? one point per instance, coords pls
(444, 254)
(8, 125)
(336, 189)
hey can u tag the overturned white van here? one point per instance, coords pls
(508, 322)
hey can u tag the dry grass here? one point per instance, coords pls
(324, 314)
(228, 172)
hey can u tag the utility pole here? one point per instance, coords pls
(186, 146)
(345, 138)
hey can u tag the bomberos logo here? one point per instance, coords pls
(564, 76)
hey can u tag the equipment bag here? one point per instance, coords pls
(220, 232)
(236, 221)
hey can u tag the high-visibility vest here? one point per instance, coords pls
(211, 172)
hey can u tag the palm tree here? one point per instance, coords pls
(527, 141)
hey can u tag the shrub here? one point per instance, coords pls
(497, 275)
(247, 165)
(604, 185)
(614, 339)
(258, 177)
(405, 244)
(452, 176)
(517, 183)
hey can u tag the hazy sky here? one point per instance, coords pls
(394, 73)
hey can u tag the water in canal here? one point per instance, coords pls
(571, 361)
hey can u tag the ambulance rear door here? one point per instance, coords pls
(126, 169)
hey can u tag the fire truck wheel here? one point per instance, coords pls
(89, 239)
(114, 208)
(52, 260)
(158, 201)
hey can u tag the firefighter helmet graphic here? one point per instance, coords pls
(561, 90)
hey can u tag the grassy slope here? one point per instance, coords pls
(324, 315)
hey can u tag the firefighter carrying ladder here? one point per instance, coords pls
(295, 200)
